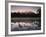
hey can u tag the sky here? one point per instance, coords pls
(24, 9)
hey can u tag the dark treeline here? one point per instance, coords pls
(25, 14)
